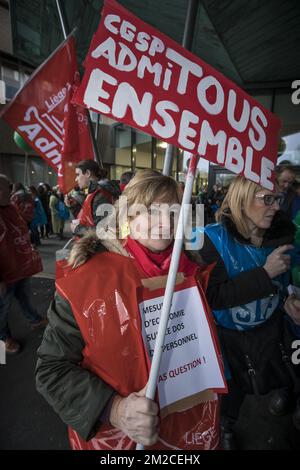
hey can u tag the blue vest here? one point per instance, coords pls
(239, 257)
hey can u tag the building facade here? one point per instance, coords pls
(121, 147)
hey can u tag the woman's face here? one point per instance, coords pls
(262, 209)
(154, 228)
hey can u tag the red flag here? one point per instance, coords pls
(42, 114)
(77, 142)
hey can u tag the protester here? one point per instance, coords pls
(295, 207)
(23, 201)
(285, 177)
(48, 192)
(44, 198)
(59, 212)
(216, 206)
(250, 246)
(181, 185)
(92, 365)
(125, 178)
(74, 201)
(62, 212)
(18, 261)
(39, 218)
(215, 193)
(90, 176)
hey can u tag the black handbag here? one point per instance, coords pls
(259, 358)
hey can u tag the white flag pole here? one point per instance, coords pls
(187, 42)
(163, 322)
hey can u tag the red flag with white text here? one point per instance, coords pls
(77, 141)
(42, 114)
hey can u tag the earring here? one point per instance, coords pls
(125, 230)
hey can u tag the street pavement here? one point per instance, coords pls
(27, 421)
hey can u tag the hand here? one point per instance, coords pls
(74, 224)
(292, 308)
(136, 416)
(2, 289)
(277, 262)
(67, 201)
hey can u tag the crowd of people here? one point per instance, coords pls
(93, 364)
(42, 208)
(30, 214)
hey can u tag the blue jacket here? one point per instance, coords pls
(239, 257)
(39, 215)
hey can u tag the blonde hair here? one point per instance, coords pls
(146, 187)
(238, 198)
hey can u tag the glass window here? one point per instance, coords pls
(17, 168)
(143, 150)
(11, 77)
(50, 176)
(24, 77)
(123, 145)
(117, 171)
(224, 179)
(36, 171)
(161, 147)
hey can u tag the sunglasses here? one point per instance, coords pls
(269, 199)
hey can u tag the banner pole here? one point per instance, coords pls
(64, 28)
(182, 222)
(187, 42)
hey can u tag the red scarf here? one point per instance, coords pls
(157, 264)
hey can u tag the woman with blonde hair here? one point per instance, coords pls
(93, 366)
(257, 320)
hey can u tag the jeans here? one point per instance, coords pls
(21, 290)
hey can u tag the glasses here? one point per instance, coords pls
(269, 199)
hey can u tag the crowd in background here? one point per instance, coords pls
(42, 208)
(250, 240)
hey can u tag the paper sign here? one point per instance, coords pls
(189, 361)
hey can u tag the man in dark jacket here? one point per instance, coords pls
(100, 191)
(285, 177)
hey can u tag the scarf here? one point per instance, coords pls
(157, 264)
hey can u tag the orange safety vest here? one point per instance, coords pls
(18, 258)
(106, 310)
(85, 216)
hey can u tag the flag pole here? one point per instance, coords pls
(182, 222)
(65, 28)
(187, 43)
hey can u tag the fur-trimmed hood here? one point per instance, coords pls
(104, 239)
(95, 241)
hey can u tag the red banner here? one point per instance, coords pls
(137, 75)
(42, 115)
